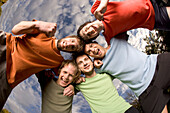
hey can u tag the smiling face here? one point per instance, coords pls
(67, 75)
(68, 44)
(91, 30)
(85, 64)
(95, 50)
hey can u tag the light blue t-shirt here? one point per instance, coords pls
(129, 65)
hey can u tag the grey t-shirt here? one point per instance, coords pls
(53, 100)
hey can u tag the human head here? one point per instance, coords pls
(85, 63)
(95, 50)
(68, 72)
(90, 30)
(70, 44)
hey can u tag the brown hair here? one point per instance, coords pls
(81, 27)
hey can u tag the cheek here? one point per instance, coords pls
(70, 79)
(80, 66)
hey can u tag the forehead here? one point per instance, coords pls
(69, 68)
(71, 38)
(81, 58)
(88, 24)
(91, 45)
(82, 33)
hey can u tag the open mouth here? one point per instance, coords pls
(97, 52)
(64, 80)
(87, 66)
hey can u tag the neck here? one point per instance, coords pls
(90, 74)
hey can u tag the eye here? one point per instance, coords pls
(85, 28)
(71, 75)
(86, 58)
(88, 51)
(79, 62)
(72, 41)
(65, 72)
(90, 45)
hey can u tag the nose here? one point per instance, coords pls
(92, 49)
(85, 63)
(90, 31)
(70, 44)
(66, 76)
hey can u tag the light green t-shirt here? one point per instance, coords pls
(102, 96)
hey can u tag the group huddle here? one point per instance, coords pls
(37, 52)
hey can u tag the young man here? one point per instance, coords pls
(147, 75)
(53, 98)
(68, 44)
(123, 16)
(22, 56)
(99, 91)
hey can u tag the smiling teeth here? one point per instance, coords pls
(86, 66)
(98, 51)
(64, 79)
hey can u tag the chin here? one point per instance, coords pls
(63, 85)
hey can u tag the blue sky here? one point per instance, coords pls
(69, 15)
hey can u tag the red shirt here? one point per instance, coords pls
(29, 54)
(126, 15)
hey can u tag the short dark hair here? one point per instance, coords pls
(81, 27)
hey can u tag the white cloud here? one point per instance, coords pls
(69, 15)
(25, 96)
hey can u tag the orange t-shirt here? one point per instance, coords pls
(126, 15)
(29, 54)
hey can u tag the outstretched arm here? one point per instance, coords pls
(31, 27)
(98, 13)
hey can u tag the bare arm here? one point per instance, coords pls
(69, 91)
(101, 9)
(30, 27)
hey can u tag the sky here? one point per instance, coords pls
(69, 15)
